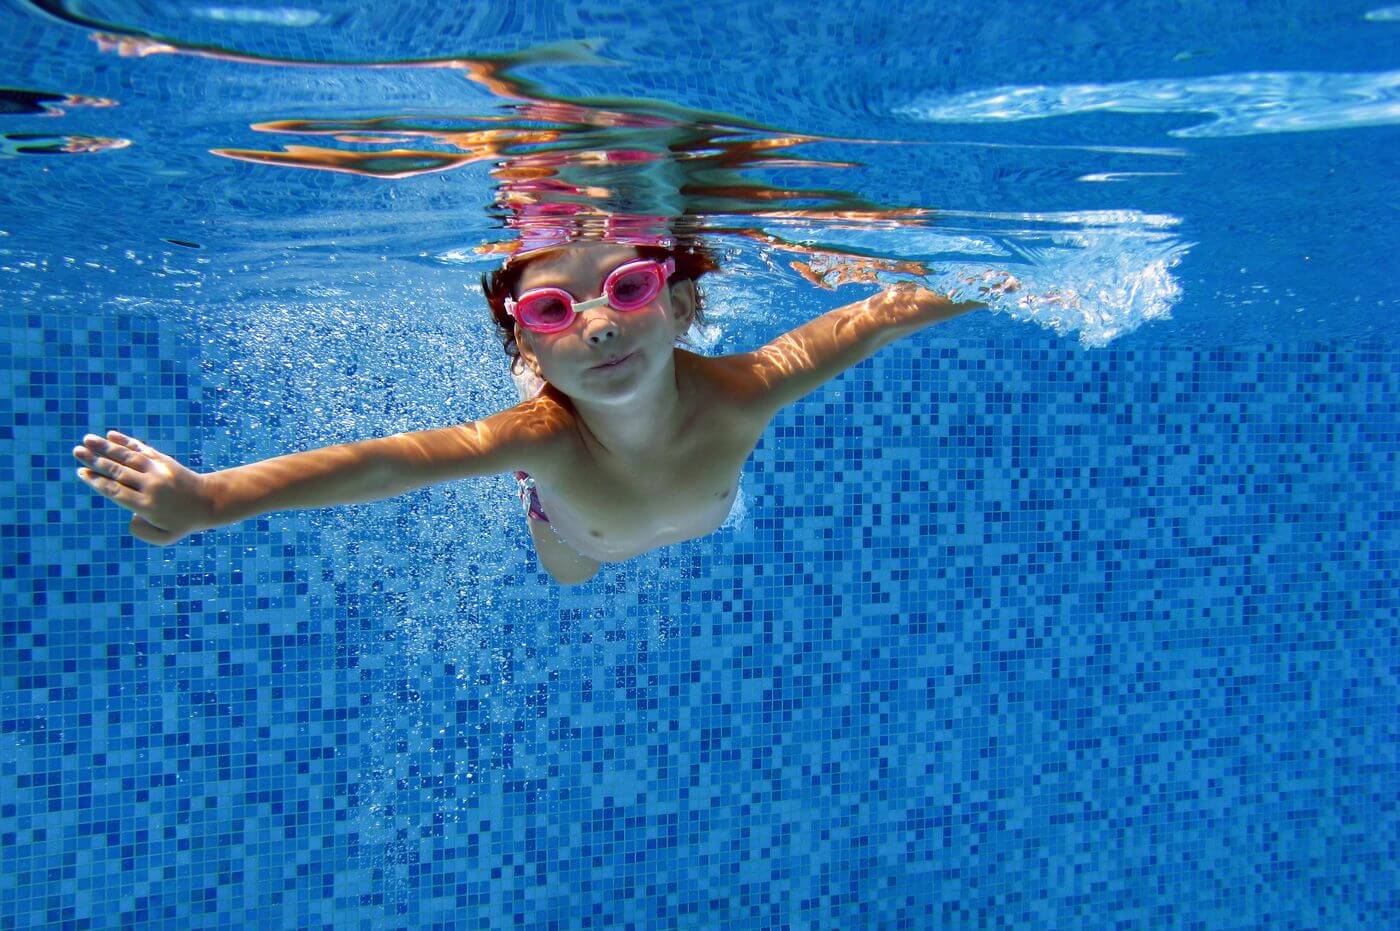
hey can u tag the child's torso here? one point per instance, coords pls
(612, 510)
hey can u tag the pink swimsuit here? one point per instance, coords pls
(529, 497)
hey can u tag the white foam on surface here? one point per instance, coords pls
(1098, 282)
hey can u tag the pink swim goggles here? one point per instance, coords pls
(631, 286)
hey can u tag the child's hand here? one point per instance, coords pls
(130, 46)
(169, 500)
(994, 283)
(826, 271)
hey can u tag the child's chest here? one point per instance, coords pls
(612, 511)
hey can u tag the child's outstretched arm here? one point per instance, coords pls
(169, 501)
(802, 360)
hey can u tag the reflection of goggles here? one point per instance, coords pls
(548, 224)
(631, 286)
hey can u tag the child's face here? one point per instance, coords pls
(569, 359)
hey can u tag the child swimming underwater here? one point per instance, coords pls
(623, 442)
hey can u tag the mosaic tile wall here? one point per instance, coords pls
(1012, 635)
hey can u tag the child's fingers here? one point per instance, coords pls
(132, 442)
(119, 463)
(107, 488)
(147, 449)
(118, 452)
(106, 468)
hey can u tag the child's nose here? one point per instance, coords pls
(599, 330)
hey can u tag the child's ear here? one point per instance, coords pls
(527, 352)
(683, 302)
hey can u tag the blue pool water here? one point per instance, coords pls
(1080, 613)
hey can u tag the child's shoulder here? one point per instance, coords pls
(548, 414)
(545, 427)
(731, 384)
(724, 377)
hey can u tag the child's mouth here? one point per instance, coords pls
(614, 364)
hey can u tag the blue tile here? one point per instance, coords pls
(1118, 611)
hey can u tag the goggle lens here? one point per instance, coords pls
(634, 287)
(545, 310)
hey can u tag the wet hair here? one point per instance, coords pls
(692, 261)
